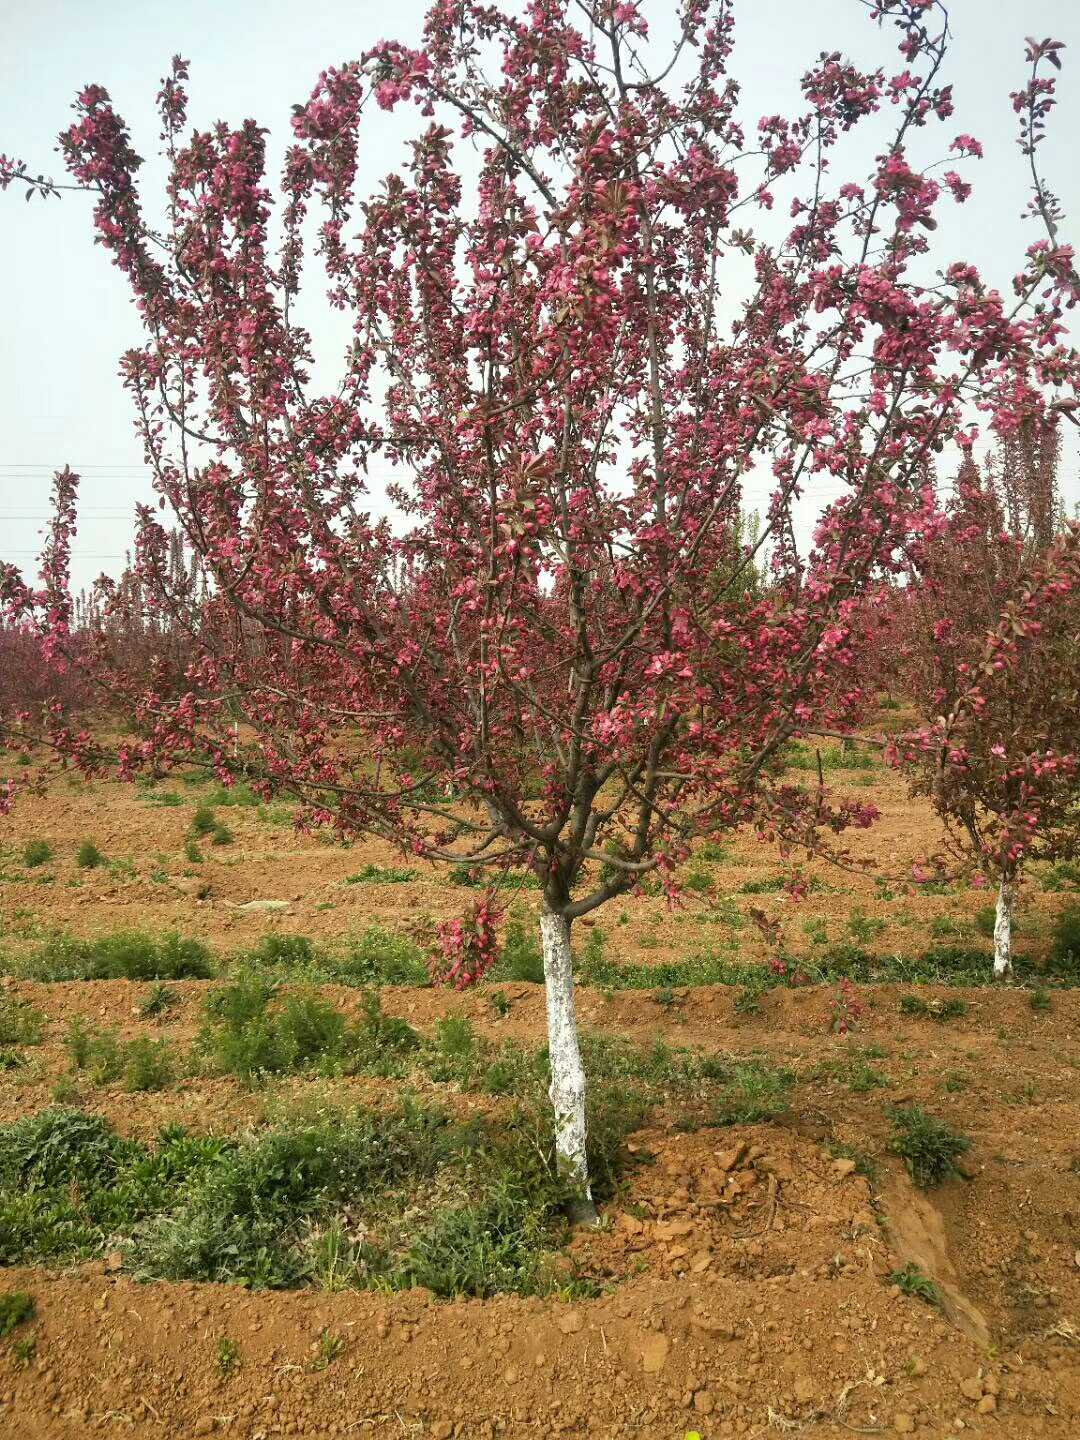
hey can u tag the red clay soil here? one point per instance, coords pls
(745, 1269)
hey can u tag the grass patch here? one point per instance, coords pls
(798, 755)
(204, 821)
(382, 875)
(767, 886)
(479, 877)
(88, 856)
(20, 1023)
(597, 969)
(862, 927)
(756, 1090)
(521, 957)
(156, 1002)
(1065, 875)
(35, 853)
(226, 795)
(381, 957)
(934, 1009)
(1065, 945)
(928, 1147)
(143, 1063)
(377, 957)
(462, 1208)
(251, 1032)
(854, 1071)
(148, 1065)
(125, 955)
(15, 1308)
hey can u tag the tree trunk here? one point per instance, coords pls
(1003, 929)
(567, 1072)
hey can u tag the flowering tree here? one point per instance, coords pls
(991, 655)
(546, 646)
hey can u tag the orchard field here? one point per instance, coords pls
(544, 898)
(262, 1179)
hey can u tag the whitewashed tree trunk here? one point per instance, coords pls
(567, 1072)
(1003, 930)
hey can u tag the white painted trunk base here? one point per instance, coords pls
(1003, 930)
(567, 1072)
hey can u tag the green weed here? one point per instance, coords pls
(88, 856)
(20, 1023)
(929, 1147)
(382, 875)
(933, 1009)
(156, 1002)
(125, 955)
(204, 821)
(911, 1281)
(226, 1356)
(327, 1349)
(148, 1065)
(16, 1307)
(1065, 945)
(36, 852)
(521, 957)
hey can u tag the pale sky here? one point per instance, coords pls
(67, 316)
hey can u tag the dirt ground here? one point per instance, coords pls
(746, 1269)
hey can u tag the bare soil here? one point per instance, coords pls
(746, 1268)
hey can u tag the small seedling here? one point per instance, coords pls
(157, 1000)
(500, 1004)
(748, 1000)
(227, 1356)
(221, 834)
(1040, 999)
(37, 852)
(23, 1351)
(192, 853)
(88, 856)
(327, 1350)
(864, 1163)
(911, 1281)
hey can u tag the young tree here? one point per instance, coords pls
(991, 655)
(554, 652)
